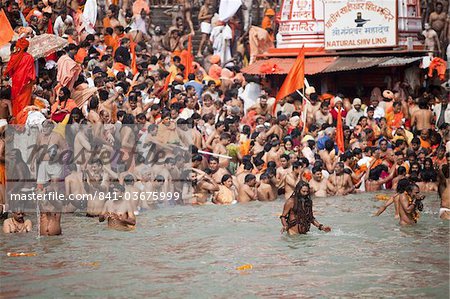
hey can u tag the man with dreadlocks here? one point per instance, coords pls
(297, 214)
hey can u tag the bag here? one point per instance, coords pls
(58, 116)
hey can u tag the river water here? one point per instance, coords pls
(193, 252)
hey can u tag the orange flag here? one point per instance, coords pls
(189, 57)
(340, 133)
(6, 31)
(166, 83)
(294, 80)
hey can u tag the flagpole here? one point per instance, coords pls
(304, 110)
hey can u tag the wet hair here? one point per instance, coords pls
(197, 158)
(249, 177)
(401, 170)
(296, 164)
(128, 180)
(225, 178)
(329, 145)
(375, 173)
(411, 187)
(264, 176)
(316, 169)
(402, 184)
(271, 164)
(212, 158)
(248, 166)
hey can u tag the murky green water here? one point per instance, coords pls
(185, 251)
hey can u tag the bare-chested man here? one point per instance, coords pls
(422, 118)
(318, 184)
(17, 223)
(438, 21)
(49, 165)
(119, 212)
(204, 16)
(265, 191)
(340, 183)
(275, 153)
(204, 186)
(432, 43)
(261, 108)
(323, 115)
(373, 181)
(444, 189)
(221, 149)
(409, 204)
(217, 172)
(328, 155)
(292, 179)
(282, 171)
(248, 191)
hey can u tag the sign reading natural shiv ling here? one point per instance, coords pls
(360, 24)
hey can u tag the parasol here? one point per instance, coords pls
(45, 44)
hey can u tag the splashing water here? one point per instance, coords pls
(38, 220)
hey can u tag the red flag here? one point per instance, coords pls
(189, 57)
(294, 80)
(6, 31)
(51, 56)
(340, 133)
(134, 69)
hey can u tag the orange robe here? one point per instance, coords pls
(23, 75)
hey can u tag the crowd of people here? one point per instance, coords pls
(140, 116)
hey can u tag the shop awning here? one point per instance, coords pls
(281, 66)
(316, 65)
(343, 64)
(399, 61)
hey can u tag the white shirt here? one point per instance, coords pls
(59, 24)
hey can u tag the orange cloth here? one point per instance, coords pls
(106, 23)
(109, 41)
(33, 12)
(187, 58)
(266, 22)
(215, 71)
(22, 72)
(340, 133)
(440, 66)
(6, 31)
(2, 174)
(69, 105)
(394, 120)
(294, 80)
(81, 55)
(68, 71)
(424, 143)
(120, 67)
(134, 69)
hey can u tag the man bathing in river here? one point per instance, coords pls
(444, 189)
(119, 212)
(17, 223)
(410, 202)
(297, 214)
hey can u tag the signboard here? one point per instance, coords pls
(360, 24)
(302, 10)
